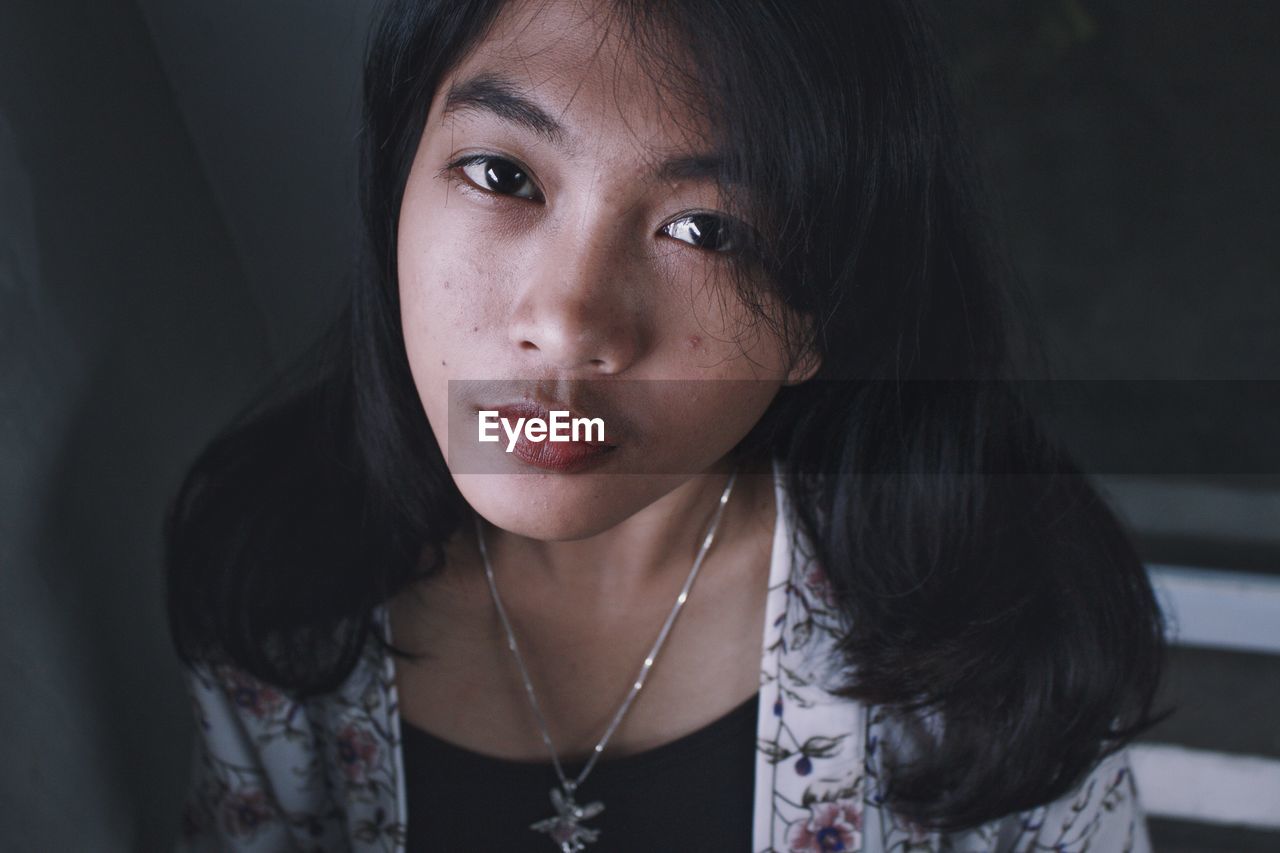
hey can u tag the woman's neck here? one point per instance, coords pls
(647, 556)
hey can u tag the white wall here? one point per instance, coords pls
(270, 96)
(127, 332)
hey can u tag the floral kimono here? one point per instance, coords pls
(325, 774)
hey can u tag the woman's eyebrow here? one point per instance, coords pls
(499, 96)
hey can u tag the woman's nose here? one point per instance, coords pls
(576, 310)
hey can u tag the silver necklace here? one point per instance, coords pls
(565, 827)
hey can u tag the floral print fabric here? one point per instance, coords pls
(819, 758)
(273, 774)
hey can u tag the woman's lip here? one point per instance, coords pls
(527, 409)
(561, 456)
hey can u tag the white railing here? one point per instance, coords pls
(1233, 611)
(1237, 611)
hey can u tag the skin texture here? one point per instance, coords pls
(574, 281)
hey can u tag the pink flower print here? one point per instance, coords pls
(820, 585)
(831, 826)
(357, 750)
(243, 812)
(918, 834)
(250, 694)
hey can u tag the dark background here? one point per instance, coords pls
(176, 218)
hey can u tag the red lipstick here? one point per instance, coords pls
(563, 457)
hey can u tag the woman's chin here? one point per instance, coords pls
(555, 507)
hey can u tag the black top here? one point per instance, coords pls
(695, 793)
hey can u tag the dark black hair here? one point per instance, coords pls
(982, 576)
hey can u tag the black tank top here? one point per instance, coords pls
(695, 793)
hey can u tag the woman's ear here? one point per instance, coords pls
(804, 367)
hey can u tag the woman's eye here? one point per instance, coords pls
(499, 176)
(703, 230)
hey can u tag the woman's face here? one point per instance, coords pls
(558, 234)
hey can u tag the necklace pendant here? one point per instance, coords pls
(565, 828)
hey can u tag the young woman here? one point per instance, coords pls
(822, 584)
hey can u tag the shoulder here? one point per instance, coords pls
(232, 703)
(251, 765)
(273, 769)
(1102, 812)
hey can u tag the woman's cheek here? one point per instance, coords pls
(702, 419)
(447, 305)
(713, 334)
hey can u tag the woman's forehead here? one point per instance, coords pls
(568, 71)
